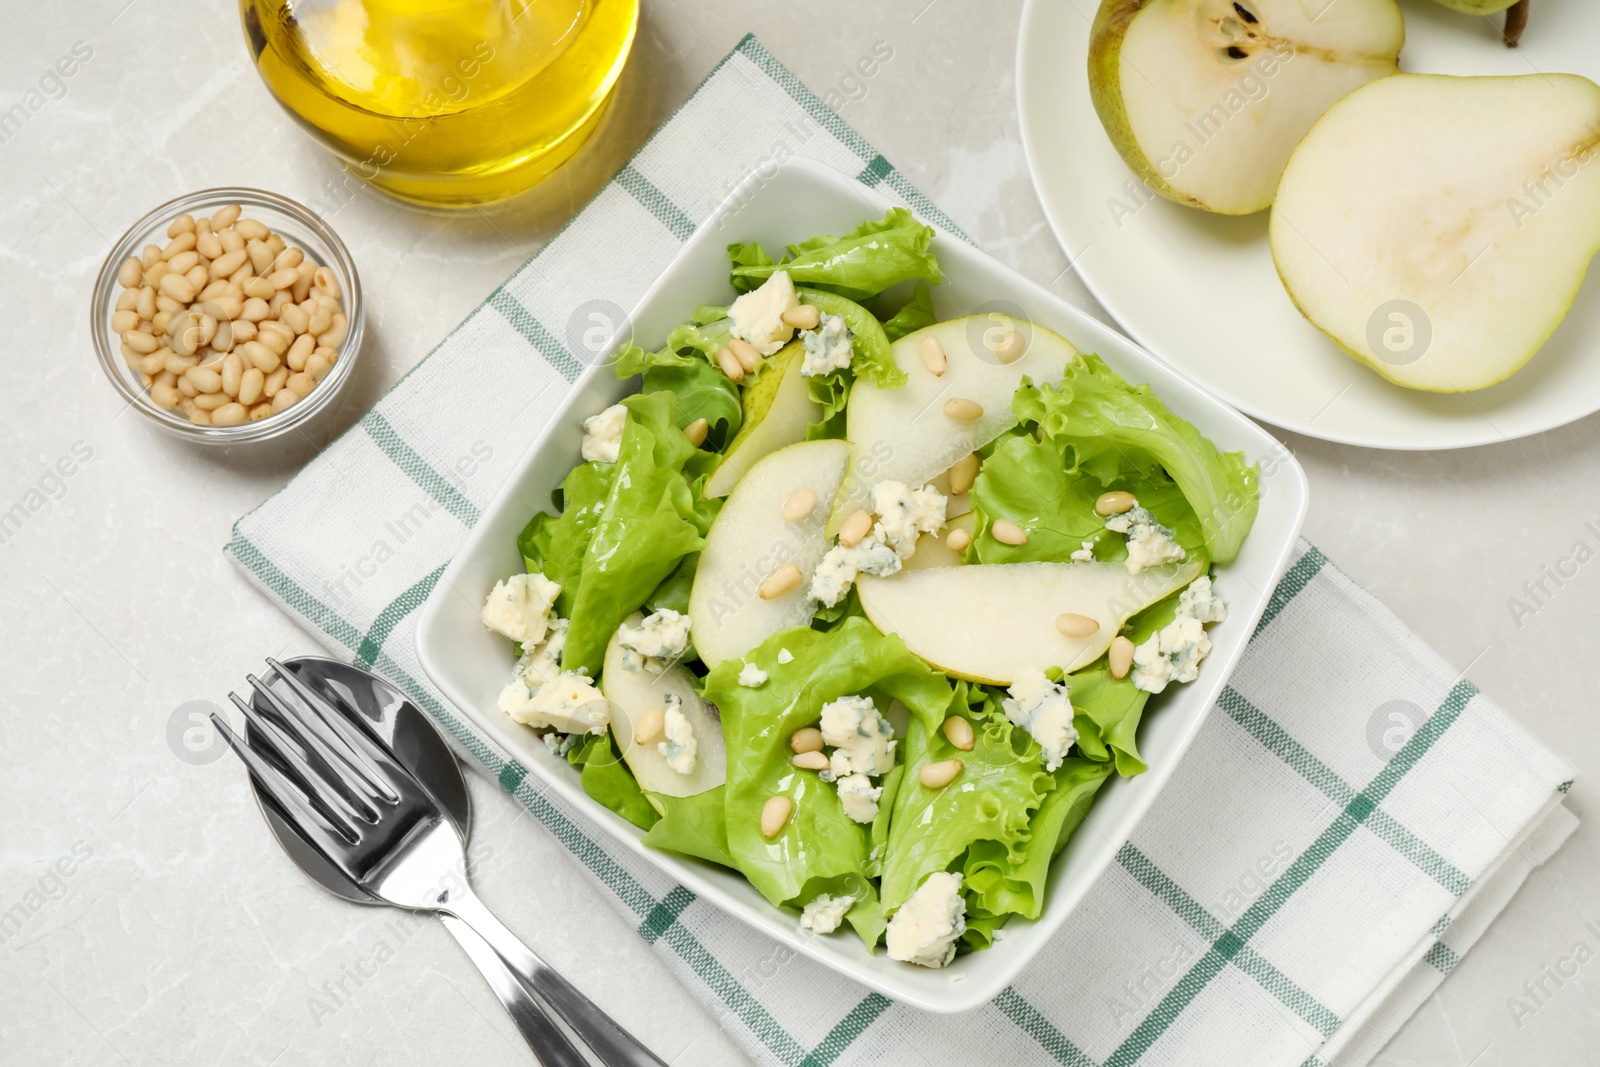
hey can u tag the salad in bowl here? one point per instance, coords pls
(864, 605)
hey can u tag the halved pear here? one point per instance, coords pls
(991, 621)
(932, 551)
(1206, 99)
(631, 693)
(751, 539)
(777, 410)
(1438, 228)
(904, 435)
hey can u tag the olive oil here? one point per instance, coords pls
(444, 101)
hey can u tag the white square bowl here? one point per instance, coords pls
(470, 664)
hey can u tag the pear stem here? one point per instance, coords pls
(1516, 22)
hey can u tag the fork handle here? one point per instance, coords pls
(545, 1039)
(613, 1045)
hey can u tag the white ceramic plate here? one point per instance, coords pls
(1199, 290)
(470, 664)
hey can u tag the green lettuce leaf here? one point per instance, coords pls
(1106, 716)
(693, 826)
(861, 264)
(698, 391)
(623, 528)
(872, 358)
(607, 780)
(931, 829)
(1031, 483)
(820, 847)
(1110, 424)
(917, 314)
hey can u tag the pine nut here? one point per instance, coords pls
(958, 540)
(200, 418)
(963, 473)
(149, 256)
(300, 384)
(258, 287)
(224, 217)
(801, 503)
(293, 317)
(181, 243)
(208, 245)
(297, 354)
(231, 241)
(255, 309)
(780, 581)
(745, 352)
(167, 304)
(205, 381)
(775, 815)
(650, 726)
(211, 401)
(123, 321)
(260, 255)
(933, 357)
(250, 383)
(154, 363)
(228, 306)
(222, 340)
(318, 367)
(288, 257)
(213, 289)
(321, 319)
(147, 303)
(334, 336)
(261, 411)
(938, 775)
(1070, 624)
(279, 300)
(729, 363)
(958, 732)
(282, 279)
(855, 528)
(128, 300)
(696, 431)
(1115, 502)
(250, 229)
(328, 354)
(959, 407)
(804, 317)
(183, 261)
(165, 395)
(325, 281)
(301, 289)
(139, 341)
(806, 739)
(1120, 657)
(227, 263)
(186, 387)
(284, 399)
(274, 383)
(1008, 533)
(1009, 346)
(261, 356)
(244, 330)
(232, 414)
(276, 336)
(130, 273)
(232, 373)
(181, 224)
(178, 287)
(810, 761)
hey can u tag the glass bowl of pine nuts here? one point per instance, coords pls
(228, 315)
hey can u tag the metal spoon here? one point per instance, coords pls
(419, 748)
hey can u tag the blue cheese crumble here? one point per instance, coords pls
(903, 514)
(519, 607)
(680, 748)
(1174, 653)
(569, 703)
(660, 637)
(925, 929)
(859, 797)
(862, 739)
(602, 434)
(824, 914)
(1041, 707)
(1084, 554)
(751, 676)
(841, 567)
(757, 316)
(828, 348)
(543, 664)
(1150, 544)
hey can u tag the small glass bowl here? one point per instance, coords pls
(298, 226)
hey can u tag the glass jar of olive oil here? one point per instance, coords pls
(444, 101)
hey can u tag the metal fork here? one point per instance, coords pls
(349, 798)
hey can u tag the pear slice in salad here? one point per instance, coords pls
(934, 552)
(751, 540)
(631, 694)
(904, 434)
(988, 622)
(777, 410)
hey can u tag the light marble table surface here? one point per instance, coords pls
(181, 935)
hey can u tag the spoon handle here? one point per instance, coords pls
(548, 1044)
(613, 1045)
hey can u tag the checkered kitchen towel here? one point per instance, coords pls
(1350, 819)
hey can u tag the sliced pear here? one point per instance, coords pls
(903, 434)
(1206, 99)
(991, 621)
(933, 552)
(1438, 228)
(631, 693)
(751, 539)
(777, 410)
